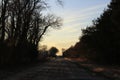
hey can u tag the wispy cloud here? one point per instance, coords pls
(82, 14)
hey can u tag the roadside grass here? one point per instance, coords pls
(112, 72)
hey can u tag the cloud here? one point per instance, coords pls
(77, 20)
(82, 14)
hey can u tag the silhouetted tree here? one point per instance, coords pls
(53, 51)
(22, 25)
(103, 36)
(4, 4)
(101, 41)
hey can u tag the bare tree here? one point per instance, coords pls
(22, 25)
(4, 4)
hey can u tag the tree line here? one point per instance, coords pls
(100, 42)
(45, 53)
(22, 25)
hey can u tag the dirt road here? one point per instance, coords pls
(55, 69)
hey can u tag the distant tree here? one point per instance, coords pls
(53, 51)
(63, 50)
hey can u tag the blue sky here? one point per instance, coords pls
(76, 15)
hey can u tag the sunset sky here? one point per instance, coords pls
(76, 15)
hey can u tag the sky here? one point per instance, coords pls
(76, 15)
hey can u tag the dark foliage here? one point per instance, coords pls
(53, 51)
(72, 52)
(101, 41)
